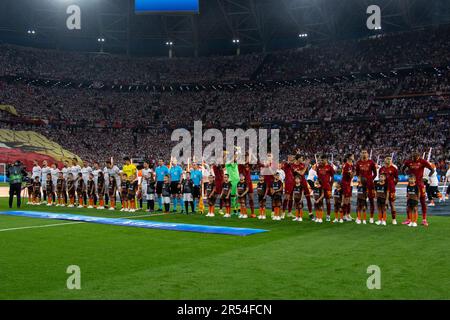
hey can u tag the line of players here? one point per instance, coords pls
(286, 185)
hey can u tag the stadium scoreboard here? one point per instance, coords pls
(166, 6)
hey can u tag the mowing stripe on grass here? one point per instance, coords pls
(68, 223)
(137, 223)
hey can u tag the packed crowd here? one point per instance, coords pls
(391, 115)
(105, 68)
(375, 54)
(380, 53)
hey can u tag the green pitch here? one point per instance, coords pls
(291, 261)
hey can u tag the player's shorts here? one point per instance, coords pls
(318, 206)
(276, 201)
(218, 188)
(392, 196)
(175, 188)
(412, 204)
(150, 196)
(347, 190)
(434, 192)
(327, 193)
(306, 187)
(298, 204)
(166, 200)
(188, 197)
(337, 206)
(261, 201)
(288, 188)
(381, 202)
(371, 191)
(226, 202)
(159, 186)
(422, 190)
(131, 197)
(212, 201)
(242, 200)
(361, 203)
(196, 192)
(310, 183)
(250, 187)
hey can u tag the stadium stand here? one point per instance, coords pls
(404, 93)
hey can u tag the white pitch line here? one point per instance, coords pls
(78, 222)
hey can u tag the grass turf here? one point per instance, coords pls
(291, 261)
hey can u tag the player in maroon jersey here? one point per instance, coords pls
(288, 185)
(267, 169)
(300, 167)
(246, 170)
(367, 168)
(415, 166)
(325, 174)
(391, 173)
(218, 181)
(348, 172)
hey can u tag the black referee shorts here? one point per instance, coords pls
(175, 188)
(159, 185)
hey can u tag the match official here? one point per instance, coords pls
(15, 173)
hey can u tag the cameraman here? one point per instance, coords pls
(15, 172)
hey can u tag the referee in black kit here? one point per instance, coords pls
(15, 173)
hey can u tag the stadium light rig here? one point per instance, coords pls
(169, 43)
(101, 39)
(303, 35)
(32, 32)
(236, 41)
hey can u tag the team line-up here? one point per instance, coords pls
(231, 185)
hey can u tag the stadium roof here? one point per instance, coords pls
(258, 24)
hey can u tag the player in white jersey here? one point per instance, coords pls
(111, 170)
(95, 171)
(44, 171)
(146, 172)
(312, 175)
(432, 185)
(54, 171)
(65, 170)
(74, 170)
(86, 170)
(281, 172)
(36, 172)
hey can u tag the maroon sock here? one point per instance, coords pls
(309, 204)
(290, 203)
(424, 208)
(372, 207)
(285, 201)
(251, 202)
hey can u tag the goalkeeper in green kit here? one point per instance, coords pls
(233, 173)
